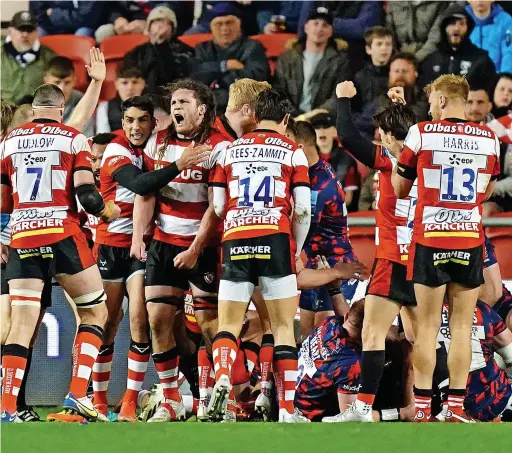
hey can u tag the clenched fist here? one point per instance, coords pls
(346, 89)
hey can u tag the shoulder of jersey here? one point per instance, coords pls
(217, 137)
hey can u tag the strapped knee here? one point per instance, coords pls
(25, 297)
(205, 303)
(175, 301)
(90, 300)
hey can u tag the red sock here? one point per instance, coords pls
(101, 373)
(206, 374)
(239, 373)
(285, 375)
(422, 401)
(224, 354)
(85, 352)
(456, 400)
(251, 351)
(138, 359)
(14, 362)
(366, 398)
(266, 359)
(166, 364)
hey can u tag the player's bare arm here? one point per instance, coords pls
(401, 185)
(143, 210)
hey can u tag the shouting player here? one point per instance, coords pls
(121, 179)
(388, 292)
(256, 179)
(44, 164)
(456, 163)
(183, 250)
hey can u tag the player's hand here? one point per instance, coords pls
(322, 263)
(4, 256)
(351, 270)
(97, 70)
(111, 212)
(186, 260)
(397, 95)
(138, 251)
(346, 89)
(234, 64)
(193, 155)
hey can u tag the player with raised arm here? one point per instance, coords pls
(44, 164)
(121, 179)
(456, 163)
(256, 179)
(388, 293)
(184, 250)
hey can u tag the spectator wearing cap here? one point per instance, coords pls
(309, 71)
(342, 162)
(129, 17)
(455, 53)
(164, 58)
(229, 56)
(58, 17)
(492, 32)
(23, 58)
(278, 17)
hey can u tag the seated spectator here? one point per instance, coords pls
(23, 58)
(57, 17)
(456, 53)
(162, 112)
(61, 72)
(342, 162)
(229, 56)
(129, 17)
(278, 17)
(415, 26)
(248, 14)
(129, 83)
(502, 96)
(165, 58)
(309, 71)
(492, 32)
(351, 20)
(372, 80)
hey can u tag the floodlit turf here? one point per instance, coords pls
(255, 438)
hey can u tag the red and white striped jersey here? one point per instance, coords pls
(394, 217)
(181, 204)
(118, 153)
(454, 160)
(502, 127)
(38, 161)
(260, 171)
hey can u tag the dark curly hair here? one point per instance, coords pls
(397, 120)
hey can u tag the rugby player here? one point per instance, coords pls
(456, 163)
(121, 179)
(256, 179)
(184, 250)
(39, 183)
(489, 389)
(388, 293)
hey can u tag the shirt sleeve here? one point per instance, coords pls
(148, 156)
(351, 180)
(497, 167)
(348, 376)
(219, 178)
(300, 169)
(498, 325)
(407, 166)
(216, 155)
(82, 153)
(114, 158)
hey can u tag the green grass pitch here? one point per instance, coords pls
(255, 438)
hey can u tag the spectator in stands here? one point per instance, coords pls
(342, 162)
(278, 17)
(492, 32)
(478, 105)
(502, 96)
(415, 26)
(61, 72)
(162, 113)
(229, 56)
(456, 53)
(309, 71)
(129, 17)
(372, 80)
(23, 58)
(165, 58)
(57, 17)
(351, 20)
(129, 82)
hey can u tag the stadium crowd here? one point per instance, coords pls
(217, 174)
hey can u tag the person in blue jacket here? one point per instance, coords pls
(492, 32)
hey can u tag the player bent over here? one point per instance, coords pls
(456, 163)
(388, 293)
(256, 178)
(39, 184)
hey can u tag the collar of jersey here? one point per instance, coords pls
(264, 130)
(44, 120)
(456, 120)
(227, 126)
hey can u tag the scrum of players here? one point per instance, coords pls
(196, 220)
